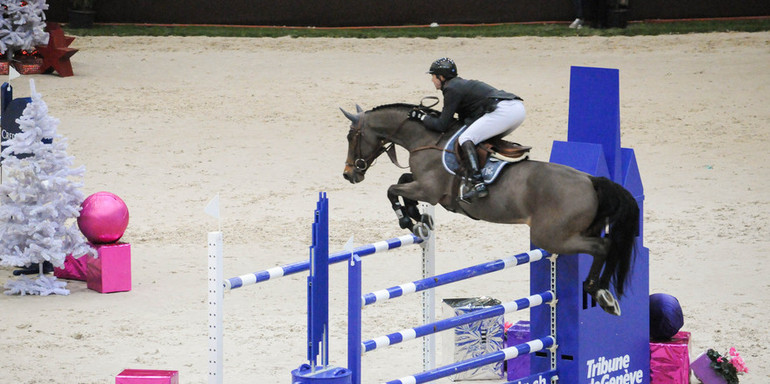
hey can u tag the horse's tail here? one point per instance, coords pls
(619, 210)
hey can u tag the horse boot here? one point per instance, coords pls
(479, 189)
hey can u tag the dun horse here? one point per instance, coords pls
(567, 210)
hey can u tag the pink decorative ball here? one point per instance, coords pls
(103, 218)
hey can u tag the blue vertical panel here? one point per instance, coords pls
(585, 157)
(594, 112)
(632, 181)
(11, 109)
(318, 285)
(354, 318)
(586, 335)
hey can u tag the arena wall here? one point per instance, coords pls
(336, 13)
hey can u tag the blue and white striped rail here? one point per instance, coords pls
(466, 365)
(300, 266)
(451, 277)
(442, 325)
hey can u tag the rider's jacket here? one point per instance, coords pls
(470, 99)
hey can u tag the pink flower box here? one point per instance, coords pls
(111, 271)
(702, 369)
(74, 268)
(147, 376)
(670, 360)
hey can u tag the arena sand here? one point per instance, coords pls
(167, 123)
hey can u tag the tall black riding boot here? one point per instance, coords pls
(479, 189)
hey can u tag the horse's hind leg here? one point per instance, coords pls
(594, 284)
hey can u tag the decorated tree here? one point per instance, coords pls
(39, 200)
(22, 26)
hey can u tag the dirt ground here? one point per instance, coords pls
(167, 123)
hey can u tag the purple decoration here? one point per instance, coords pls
(666, 317)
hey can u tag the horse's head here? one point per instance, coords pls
(363, 147)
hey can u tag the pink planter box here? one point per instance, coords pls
(147, 376)
(703, 371)
(111, 271)
(74, 269)
(670, 360)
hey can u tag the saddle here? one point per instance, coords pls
(502, 150)
(496, 147)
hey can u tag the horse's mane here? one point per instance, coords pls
(402, 105)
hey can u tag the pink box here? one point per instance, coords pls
(111, 271)
(147, 376)
(74, 269)
(670, 360)
(701, 367)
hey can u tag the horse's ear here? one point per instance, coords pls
(350, 116)
(359, 109)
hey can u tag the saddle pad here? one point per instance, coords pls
(489, 171)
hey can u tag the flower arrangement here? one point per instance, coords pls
(729, 367)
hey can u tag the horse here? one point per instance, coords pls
(567, 211)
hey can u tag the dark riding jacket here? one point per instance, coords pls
(470, 99)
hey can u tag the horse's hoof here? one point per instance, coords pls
(607, 302)
(421, 230)
(405, 222)
(427, 220)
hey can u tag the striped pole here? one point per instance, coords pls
(454, 276)
(466, 365)
(300, 266)
(442, 325)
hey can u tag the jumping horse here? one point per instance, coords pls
(568, 211)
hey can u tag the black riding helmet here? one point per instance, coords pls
(444, 67)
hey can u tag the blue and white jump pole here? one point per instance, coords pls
(317, 369)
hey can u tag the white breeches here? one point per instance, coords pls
(508, 115)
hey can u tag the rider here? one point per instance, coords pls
(487, 112)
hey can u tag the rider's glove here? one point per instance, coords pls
(417, 114)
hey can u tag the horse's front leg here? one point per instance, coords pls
(408, 214)
(405, 211)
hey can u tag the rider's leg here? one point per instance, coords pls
(474, 171)
(506, 117)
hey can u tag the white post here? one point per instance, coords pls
(216, 297)
(429, 296)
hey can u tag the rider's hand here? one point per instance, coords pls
(416, 114)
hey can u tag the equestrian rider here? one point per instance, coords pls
(487, 112)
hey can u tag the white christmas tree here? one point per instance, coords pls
(22, 25)
(39, 201)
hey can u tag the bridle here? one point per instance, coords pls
(360, 163)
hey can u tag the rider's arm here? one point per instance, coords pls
(451, 102)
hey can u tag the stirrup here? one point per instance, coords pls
(478, 191)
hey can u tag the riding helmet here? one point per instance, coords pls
(444, 67)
